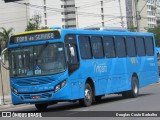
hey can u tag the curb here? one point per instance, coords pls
(3, 107)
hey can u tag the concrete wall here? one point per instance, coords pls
(5, 81)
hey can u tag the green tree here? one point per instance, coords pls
(132, 28)
(4, 36)
(156, 31)
(44, 27)
(34, 23)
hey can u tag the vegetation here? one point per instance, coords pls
(132, 28)
(34, 23)
(4, 37)
(156, 31)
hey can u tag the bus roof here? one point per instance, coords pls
(105, 32)
(89, 31)
(33, 31)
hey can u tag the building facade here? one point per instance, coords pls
(79, 13)
(68, 14)
(142, 14)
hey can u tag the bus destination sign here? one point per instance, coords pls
(35, 37)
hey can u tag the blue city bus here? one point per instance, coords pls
(50, 66)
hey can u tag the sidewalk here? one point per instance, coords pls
(7, 102)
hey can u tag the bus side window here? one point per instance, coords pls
(73, 61)
(120, 47)
(140, 46)
(85, 48)
(109, 48)
(149, 46)
(97, 49)
(130, 46)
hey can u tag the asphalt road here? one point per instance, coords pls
(148, 100)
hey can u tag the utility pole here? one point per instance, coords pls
(138, 17)
(102, 13)
(45, 13)
(122, 22)
(26, 4)
(77, 25)
(3, 103)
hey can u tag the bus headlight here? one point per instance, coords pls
(14, 90)
(60, 85)
(63, 83)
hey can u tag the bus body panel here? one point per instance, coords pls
(109, 75)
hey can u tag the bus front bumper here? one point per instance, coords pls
(61, 95)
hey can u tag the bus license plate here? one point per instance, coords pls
(35, 97)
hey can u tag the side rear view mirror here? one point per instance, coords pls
(3, 61)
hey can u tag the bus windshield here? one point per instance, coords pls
(37, 60)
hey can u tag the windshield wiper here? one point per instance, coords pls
(42, 49)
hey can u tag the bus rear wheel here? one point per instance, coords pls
(134, 92)
(42, 106)
(88, 98)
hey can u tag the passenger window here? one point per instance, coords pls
(85, 48)
(108, 43)
(97, 49)
(140, 46)
(120, 47)
(149, 46)
(130, 45)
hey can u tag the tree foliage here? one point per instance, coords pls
(4, 36)
(34, 23)
(156, 31)
(132, 28)
(44, 27)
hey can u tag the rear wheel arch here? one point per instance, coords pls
(135, 75)
(134, 92)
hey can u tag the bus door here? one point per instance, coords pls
(73, 64)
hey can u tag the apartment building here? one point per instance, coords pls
(142, 13)
(79, 13)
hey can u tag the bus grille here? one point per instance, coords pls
(31, 82)
(43, 95)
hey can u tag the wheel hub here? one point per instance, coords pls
(135, 89)
(87, 94)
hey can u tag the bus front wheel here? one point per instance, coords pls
(42, 106)
(134, 92)
(88, 96)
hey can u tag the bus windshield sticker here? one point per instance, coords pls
(37, 70)
(29, 73)
(60, 49)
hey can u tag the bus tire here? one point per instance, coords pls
(88, 96)
(134, 92)
(42, 106)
